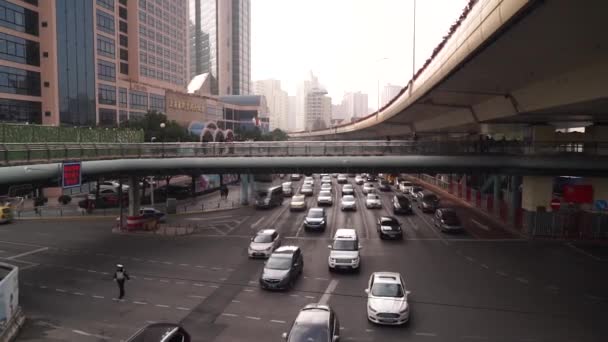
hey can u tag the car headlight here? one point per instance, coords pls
(405, 310)
(268, 249)
(322, 222)
(372, 309)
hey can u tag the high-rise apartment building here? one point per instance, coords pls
(220, 44)
(291, 113)
(354, 105)
(317, 109)
(276, 100)
(389, 92)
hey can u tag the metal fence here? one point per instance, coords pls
(16, 154)
(566, 224)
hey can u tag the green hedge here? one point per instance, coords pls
(12, 133)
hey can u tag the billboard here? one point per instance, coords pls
(71, 175)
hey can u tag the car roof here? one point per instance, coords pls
(388, 219)
(345, 233)
(288, 250)
(386, 277)
(286, 183)
(313, 314)
(324, 192)
(267, 231)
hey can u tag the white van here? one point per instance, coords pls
(344, 250)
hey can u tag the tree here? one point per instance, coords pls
(276, 135)
(151, 123)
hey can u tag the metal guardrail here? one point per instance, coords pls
(19, 154)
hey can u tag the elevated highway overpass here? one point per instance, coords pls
(510, 62)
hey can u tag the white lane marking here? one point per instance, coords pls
(321, 279)
(501, 273)
(480, 225)
(255, 224)
(43, 287)
(61, 290)
(469, 258)
(299, 230)
(167, 263)
(98, 297)
(309, 297)
(164, 281)
(229, 315)
(369, 330)
(328, 291)
(162, 305)
(140, 303)
(180, 282)
(28, 253)
(200, 266)
(84, 333)
(148, 278)
(78, 293)
(592, 297)
(522, 280)
(236, 301)
(207, 218)
(277, 321)
(93, 271)
(485, 266)
(183, 308)
(185, 265)
(294, 295)
(581, 251)
(197, 296)
(214, 286)
(414, 225)
(80, 332)
(153, 261)
(198, 284)
(248, 290)
(254, 318)
(426, 334)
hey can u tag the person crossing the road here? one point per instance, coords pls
(120, 276)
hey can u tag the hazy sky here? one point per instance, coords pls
(344, 42)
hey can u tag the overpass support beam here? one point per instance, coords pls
(245, 189)
(515, 197)
(134, 194)
(537, 191)
(496, 193)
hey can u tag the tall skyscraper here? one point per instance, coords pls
(220, 44)
(277, 101)
(389, 92)
(291, 113)
(354, 105)
(317, 109)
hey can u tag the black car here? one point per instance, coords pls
(384, 185)
(282, 268)
(402, 205)
(161, 332)
(315, 322)
(371, 178)
(447, 220)
(316, 219)
(389, 227)
(429, 203)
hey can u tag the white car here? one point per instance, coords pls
(344, 250)
(406, 187)
(298, 202)
(373, 201)
(324, 198)
(295, 177)
(359, 180)
(367, 187)
(326, 179)
(309, 180)
(306, 190)
(151, 212)
(342, 179)
(264, 243)
(348, 203)
(326, 187)
(347, 189)
(387, 299)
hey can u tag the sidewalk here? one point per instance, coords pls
(206, 202)
(488, 226)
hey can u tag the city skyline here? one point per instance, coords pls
(337, 29)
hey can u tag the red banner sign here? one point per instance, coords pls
(578, 193)
(71, 175)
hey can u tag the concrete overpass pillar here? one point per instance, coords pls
(245, 189)
(515, 197)
(537, 192)
(134, 199)
(496, 193)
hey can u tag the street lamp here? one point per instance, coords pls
(162, 137)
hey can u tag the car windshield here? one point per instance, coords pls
(347, 186)
(450, 217)
(315, 213)
(372, 196)
(263, 238)
(325, 193)
(262, 194)
(278, 263)
(406, 184)
(306, 186)
(389, 222)
(403, 201)
(348, 198)
(298, 198)
(309, 332)
(418, 189)
(387, 290)
(345, 245)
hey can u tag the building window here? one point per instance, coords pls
(157, 103)
(123, 116)
(107, 117)
(18, 18)
(138, 100)
(17, 81)
(105, 46)
(122, 12)
(106, 94)
(19, 50)
(109, 4)
(122, 98)
(124, 41)
(124, 68)
(105, 22)
(124, 54)
(20, 111)
(106, 70)
(122, 25)
(123, 2)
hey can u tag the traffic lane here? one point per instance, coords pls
(553, 268)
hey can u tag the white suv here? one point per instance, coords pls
(344, 250)
(387, 299)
